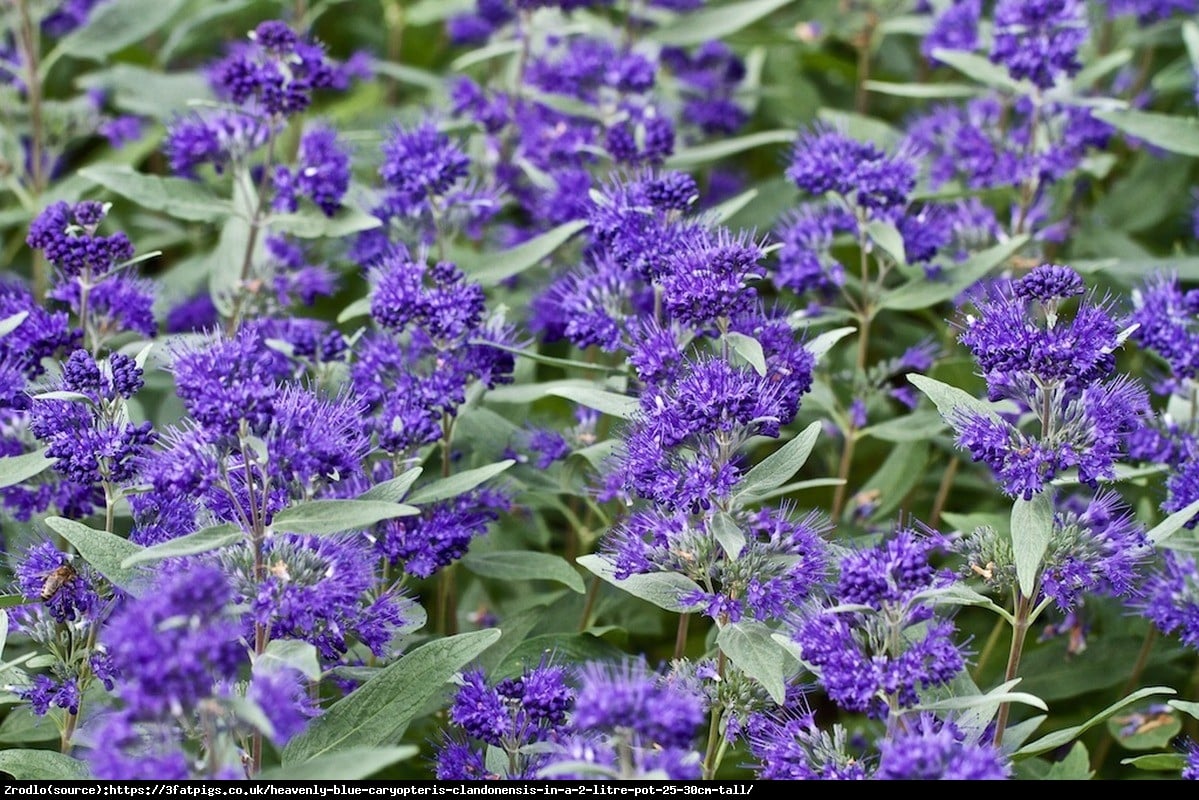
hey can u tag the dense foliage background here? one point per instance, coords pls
(613, 388)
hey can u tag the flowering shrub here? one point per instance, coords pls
(599, 389)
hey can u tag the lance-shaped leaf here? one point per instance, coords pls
(378, 712)
(663, 589)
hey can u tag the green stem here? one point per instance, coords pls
(589, 604)
(447, 606)
(680, 638)
(710, 763)
(1023, 619)
(947, 477)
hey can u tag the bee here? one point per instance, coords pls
(56, 579)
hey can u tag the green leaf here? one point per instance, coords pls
(748, 348)
(492, 269)
(551, 360)
(861, 127)
(959, 594)
(460, 483)
(19, 469)
(723, 148)
(714, 22)
(359, 308)
(722, 212)
(914, 426)
(379, 711)
(354, 764)
(778, 467)
(224, 262)
(663, 589)
(788, 488)
(105, 552)
(948, 399)
(752, 650)
(392, 491)
(115, 25)
(729, 534)
(65, 396)
(611, 403)
(1157, 762)
(1186, 707)
(979, 68)
(311, 223)
(42, 765)
(887, 237)
(11, 323)
(1173, 523)
(995, 698)
(820, 346)
(504, 47)
(1076, 766)
(1032, 528)
(405, 73)
(1173, 133)
(1190, 36)
(177, 197)
(525, 565)
(292, 654)
(1092, 72)
(333, 516)
(1056, 739)
(203, 541)
(923, 293)
(148, 92)
(922, 91)
(426, 12)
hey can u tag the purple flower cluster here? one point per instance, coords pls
(1170, 597)
(990, 142)
(511, 714)
(322, 173)
(826, 160)
(878, 661)
(795, 748)
(780, 564)
(67, 236)
(436, 342)
(74, 601)
(1057, 369)
(629, 722)
(276, 72)
(955, 28)
(709, 77)
(178, 651)
(442, 533)
(220, 137)
(317, 589)
(1166, 318)
(255, 438)
(90, 441)
(1038, 40)
(1095, 548)
(930, 749)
